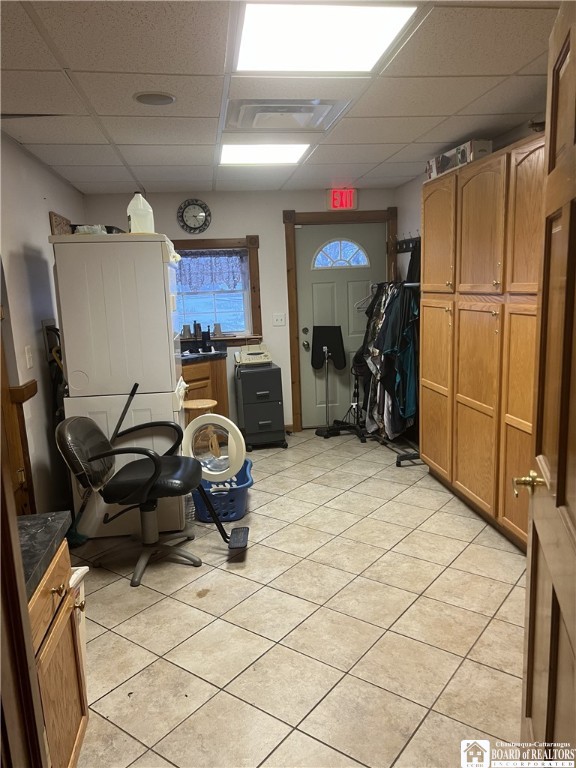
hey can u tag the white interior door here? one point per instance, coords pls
(326, 296)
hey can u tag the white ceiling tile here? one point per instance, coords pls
(250, 185)
(22, 45)
(484, 61)
(516, 94)
(361, 153)
(191, 173)
(154, 37)
(396, 170)
(75, 154)
(374, 130)
(104, 188)
(332, 175)
(246, 87)
(179, 186)
(54, 130)
(294, 184)
(161, 130)
(418, 152)
(454, 130)
(39, 93)
(270, 138)
(82, 173)
(537, 67)
(403, 96)
(113, 94)
(253, 175)
(474, 41)
(390, 183)
(137, 154)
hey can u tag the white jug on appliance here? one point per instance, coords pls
(140, 215)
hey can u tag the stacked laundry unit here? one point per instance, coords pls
(116, 302)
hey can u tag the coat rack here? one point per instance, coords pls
(407, 245)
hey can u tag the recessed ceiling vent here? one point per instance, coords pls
(282, 115)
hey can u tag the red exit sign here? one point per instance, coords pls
(342, 199)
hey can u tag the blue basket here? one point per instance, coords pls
(228, 497)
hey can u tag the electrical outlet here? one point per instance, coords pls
(279, 318)
(28, 353)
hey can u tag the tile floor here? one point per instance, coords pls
(374, 621)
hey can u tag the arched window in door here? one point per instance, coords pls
(340, 253)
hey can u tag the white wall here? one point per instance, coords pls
(409, 202)
(237, 215)
(29, 192)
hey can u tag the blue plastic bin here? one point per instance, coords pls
(228, 497)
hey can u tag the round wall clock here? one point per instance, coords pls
(194, 216)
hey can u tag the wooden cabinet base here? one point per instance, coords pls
(62, 688)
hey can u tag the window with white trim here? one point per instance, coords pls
(340, 253)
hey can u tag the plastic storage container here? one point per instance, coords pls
(140, 215)
(228, 497)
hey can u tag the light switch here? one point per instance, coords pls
(28, 353)
(279, 318)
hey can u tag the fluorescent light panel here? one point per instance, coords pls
(262, 154)
(318, 38)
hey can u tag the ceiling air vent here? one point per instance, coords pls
(282, 115)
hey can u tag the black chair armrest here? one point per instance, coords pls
(147, 485)
(172, 424)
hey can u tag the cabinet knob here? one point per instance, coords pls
(494, 313)
(59, 590)
(81, 605)
(531, 481)
(449, 283)
(306, 345)
(495, 282)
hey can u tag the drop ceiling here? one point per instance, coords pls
(70, 71)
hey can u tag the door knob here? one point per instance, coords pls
(531, 482)
(306, 345)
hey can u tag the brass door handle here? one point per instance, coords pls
(59, 590)
(531, 482)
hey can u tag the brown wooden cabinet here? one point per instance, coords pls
(476, 396)
(60, 671)
(436, 339)
(439, 235)
(477, 386)
(525, 215)
(208, 380)
(481, 225)
(516, 449)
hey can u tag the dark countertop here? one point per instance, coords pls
(195, 357)
(40, 537)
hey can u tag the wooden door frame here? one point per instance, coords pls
(291, 220)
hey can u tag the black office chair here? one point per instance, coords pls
(91, 458)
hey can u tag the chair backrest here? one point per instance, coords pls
(78, 438)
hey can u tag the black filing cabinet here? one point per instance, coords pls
(259, 404)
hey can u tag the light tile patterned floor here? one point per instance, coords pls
(375, 620)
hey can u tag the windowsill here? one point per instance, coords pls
(238, 341)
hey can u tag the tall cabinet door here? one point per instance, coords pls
(477, 383)
(516, 447)
(439, 234)
(525, 218)
(436, 384)
(481, 225)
